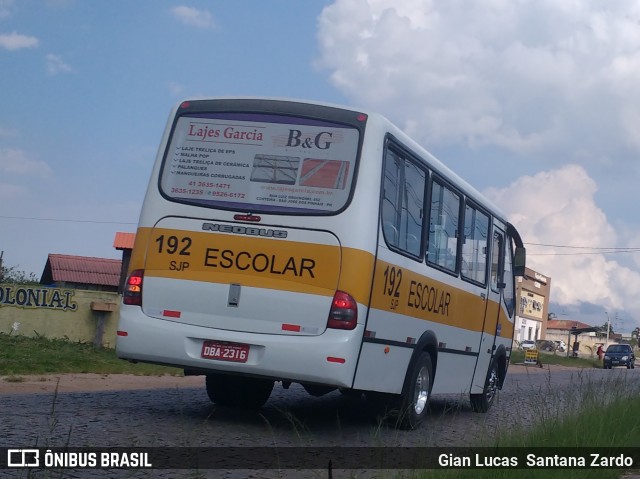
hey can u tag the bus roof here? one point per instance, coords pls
(437, 165)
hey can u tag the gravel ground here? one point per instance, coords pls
(147, 411)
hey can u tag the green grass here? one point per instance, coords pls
(586, 414)
(22, 355)
(39, 355)
(616, 425)
(560, 359)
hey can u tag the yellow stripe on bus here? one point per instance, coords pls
(312, 269)
(262, 263)
(405, 292)
(400, 290)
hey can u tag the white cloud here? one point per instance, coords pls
(15, 41)
(14, 161)
(520, 76)
(5, 8)
(56, 65)
(557, 207)
(500, 89)
(192, 16)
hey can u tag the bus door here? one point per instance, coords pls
(393, 320)
(495, 317)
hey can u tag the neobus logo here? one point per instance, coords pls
(244, 230)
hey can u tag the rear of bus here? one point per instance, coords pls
(248, 260)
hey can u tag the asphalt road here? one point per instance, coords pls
(185, 417)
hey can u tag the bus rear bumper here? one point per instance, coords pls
(327, 359)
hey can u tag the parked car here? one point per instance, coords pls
(545, 345)
(619, 355)
(528, 344)
(561, 346)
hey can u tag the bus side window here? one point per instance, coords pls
(508, 293)
(403, 204)
(412, 209)
(496, 251)
(443, 227)
(475, 245)
(391, 198)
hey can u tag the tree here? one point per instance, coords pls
(604, 327)
(12, 275)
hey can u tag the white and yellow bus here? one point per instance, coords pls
(292, 241)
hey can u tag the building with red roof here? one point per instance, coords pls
(81, 272)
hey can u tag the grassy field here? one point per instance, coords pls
(605, 416)
(22, 355)
(559, 358)
(40, 355)
(613, 425)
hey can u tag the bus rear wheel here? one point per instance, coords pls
(482, 402)
(414, 402)
(238, 391)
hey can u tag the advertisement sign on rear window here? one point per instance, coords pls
(271, 164)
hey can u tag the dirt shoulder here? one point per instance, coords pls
(88, 382)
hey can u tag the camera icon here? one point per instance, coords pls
(23, 457)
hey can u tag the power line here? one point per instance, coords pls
(607, 248)
(583, 253)
(591, 250)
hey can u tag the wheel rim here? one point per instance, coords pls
(421, 394)
(492, 385)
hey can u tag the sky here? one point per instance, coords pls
(534, 102)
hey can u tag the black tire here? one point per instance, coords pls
(414, 402)
(351, 393)
(482, 402)
(237, 391)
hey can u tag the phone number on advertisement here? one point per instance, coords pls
(187, 191)
(226, 194)
(223, 194)
(208, 184)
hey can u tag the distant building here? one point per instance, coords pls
(532, 293)
(588, 337)
(81, 272)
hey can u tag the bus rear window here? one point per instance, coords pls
(260, 163)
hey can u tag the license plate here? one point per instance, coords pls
(222, 351)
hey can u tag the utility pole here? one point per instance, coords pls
(1, 270)
(608, 329)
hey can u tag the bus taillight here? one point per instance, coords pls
(133, 289)
(344, 312)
